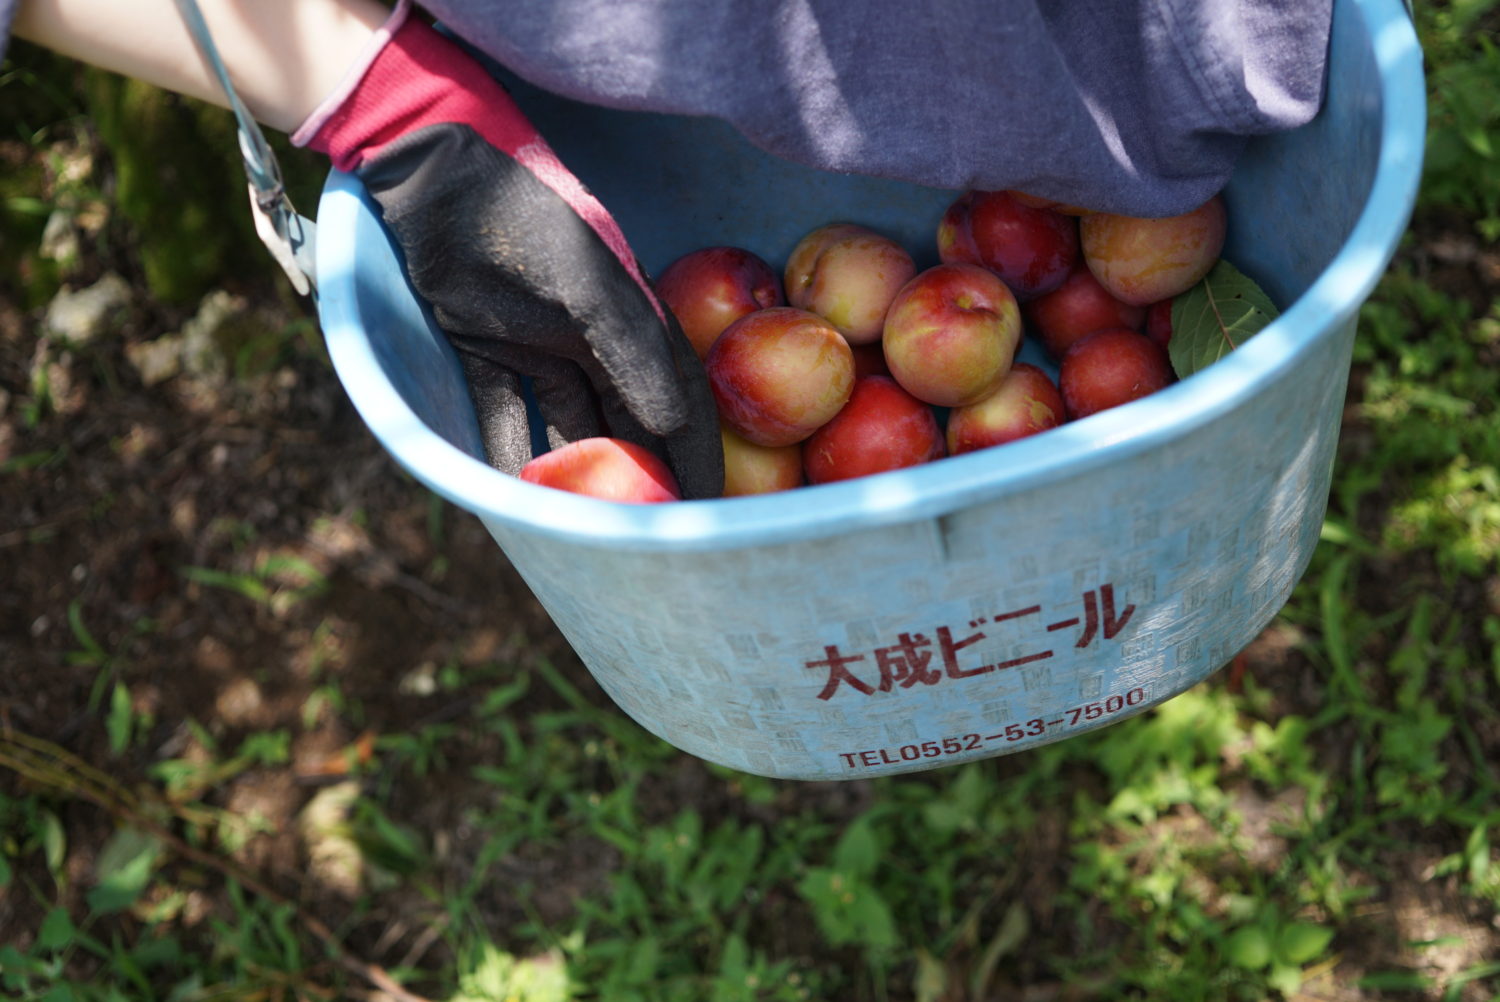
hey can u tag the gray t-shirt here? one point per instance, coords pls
(1138, 106)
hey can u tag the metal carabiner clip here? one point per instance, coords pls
(287, 234)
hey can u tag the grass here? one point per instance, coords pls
(1323, 827)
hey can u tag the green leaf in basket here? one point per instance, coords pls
(1215, 317)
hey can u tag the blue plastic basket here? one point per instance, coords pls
(971, 607)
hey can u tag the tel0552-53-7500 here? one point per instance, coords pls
(1084, 715)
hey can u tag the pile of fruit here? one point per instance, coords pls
(852, 362)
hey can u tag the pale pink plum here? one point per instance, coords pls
(1026, 403)
(1159, 322)
(1032, 250)
(1142, 260)
(847, 274)
(607, 468)
(951, 334)
(758, 469)
(710, 288)
(1038, 202)
(1109, 368)
(881, 428)
(1077, 307)
(779, 374)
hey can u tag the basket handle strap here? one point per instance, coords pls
(287, 234)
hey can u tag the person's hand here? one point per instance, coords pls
(526, 272)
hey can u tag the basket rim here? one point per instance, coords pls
(915, 493)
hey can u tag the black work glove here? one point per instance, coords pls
(528, 275)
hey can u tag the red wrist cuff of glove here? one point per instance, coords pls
(414, 77)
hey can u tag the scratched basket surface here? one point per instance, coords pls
(973, 607)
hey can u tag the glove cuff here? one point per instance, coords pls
(413, 77)
(308, 130)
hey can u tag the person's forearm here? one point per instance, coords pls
(284, 56)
